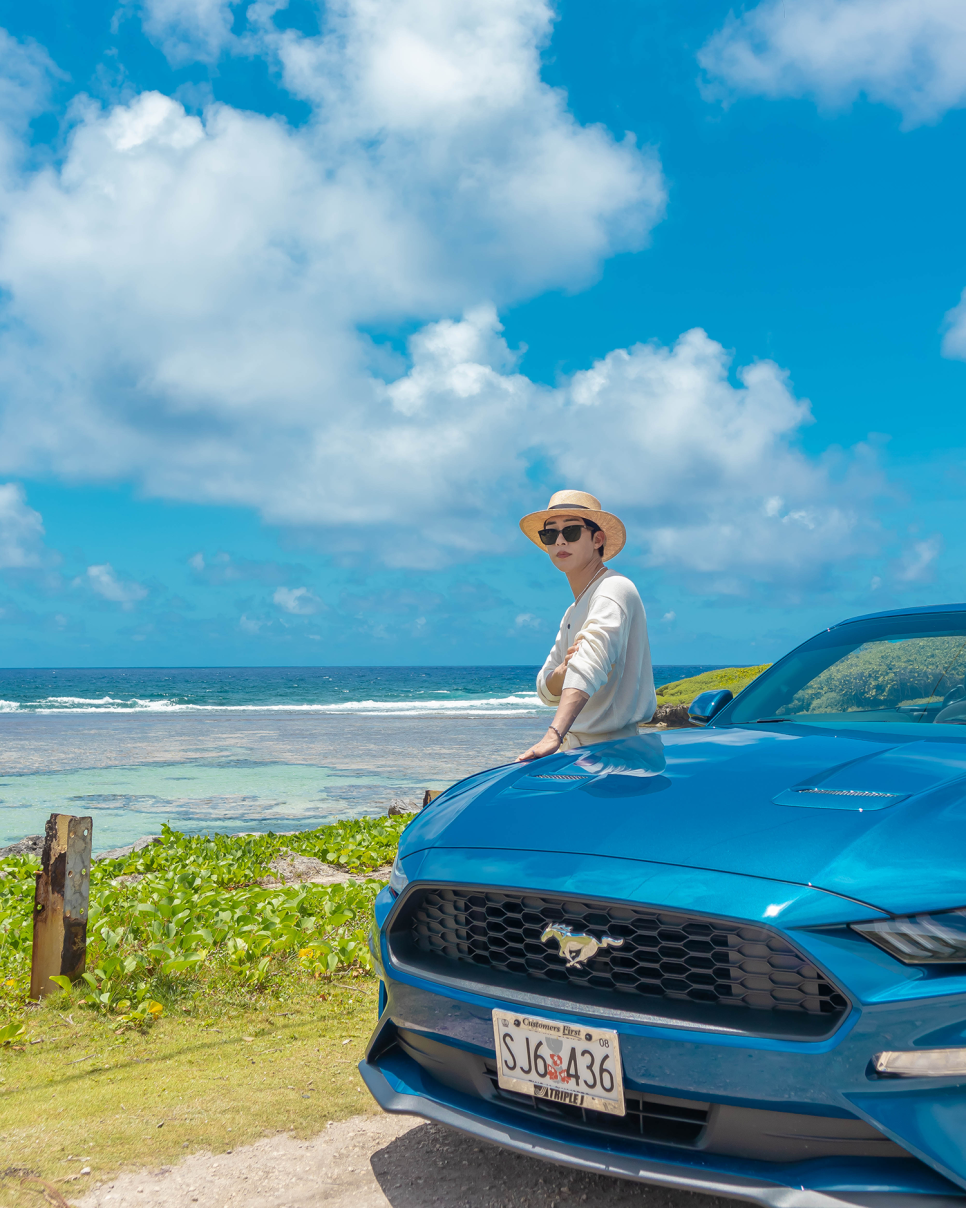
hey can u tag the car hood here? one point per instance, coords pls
(874, 816)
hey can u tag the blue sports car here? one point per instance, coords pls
(729, 958)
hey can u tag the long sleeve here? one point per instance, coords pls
(603, 638)
(554, 659)
(612, 663)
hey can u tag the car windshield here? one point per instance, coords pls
(889, 669)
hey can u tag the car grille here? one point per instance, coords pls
(676, 957)
(663, 1121)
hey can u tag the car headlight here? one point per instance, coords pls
(921, 939)
(397, 878)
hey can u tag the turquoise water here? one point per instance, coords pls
(250, 749)
(128, 802)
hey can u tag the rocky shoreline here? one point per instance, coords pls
(670, 717)
(33, 845)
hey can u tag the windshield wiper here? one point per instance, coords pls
(759, 720)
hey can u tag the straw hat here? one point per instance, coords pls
(578, 503)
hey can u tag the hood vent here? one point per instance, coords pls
(817, 796)
(884, 778)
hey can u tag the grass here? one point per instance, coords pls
(683, 692)
(219, 1074)
(214, 1009)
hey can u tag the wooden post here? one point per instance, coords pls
(61, 902)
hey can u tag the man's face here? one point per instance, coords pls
(571, 556)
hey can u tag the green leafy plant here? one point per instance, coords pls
(140, 1013)
(323, 958)
(195, 914)
(357, 844)
(107, 982)
(11, 1031)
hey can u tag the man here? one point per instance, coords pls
(598, 674)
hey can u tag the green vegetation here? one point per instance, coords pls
(214, 1008)
(359, 844)
(683, 692)
(187, 912)
(882, 675)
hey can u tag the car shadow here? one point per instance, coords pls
(435, 1166)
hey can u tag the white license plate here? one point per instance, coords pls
(560, 1062)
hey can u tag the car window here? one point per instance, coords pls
(891, 675)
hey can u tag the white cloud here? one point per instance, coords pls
(954, 340)
(21, 532)
(526, 620)
(708, 475)
(25, 77)
(299, 601)
(223, 569)
(909, 54)
(669, 616)
(104, 582)
(712, 473)
(916, 564)
(185, 297)
(189, 30)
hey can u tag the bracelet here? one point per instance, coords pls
(557, 732)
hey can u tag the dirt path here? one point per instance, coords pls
(378, 1162)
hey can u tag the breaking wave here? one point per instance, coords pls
(515, 705)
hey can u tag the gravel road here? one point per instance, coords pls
(378, 1162)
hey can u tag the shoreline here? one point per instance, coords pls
(267, 771)
(230, 774)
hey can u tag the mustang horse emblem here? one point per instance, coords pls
(577, 948)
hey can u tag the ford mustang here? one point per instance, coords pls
(729, 958)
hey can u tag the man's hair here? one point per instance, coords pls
(595, 528)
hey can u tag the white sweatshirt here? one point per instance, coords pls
(612, 664)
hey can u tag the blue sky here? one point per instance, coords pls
(301, 307)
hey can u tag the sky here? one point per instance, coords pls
(303, 306)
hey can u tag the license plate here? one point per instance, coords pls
(559, 1062)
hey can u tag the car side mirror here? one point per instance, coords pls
(707, 704)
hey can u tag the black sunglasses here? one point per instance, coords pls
(571, 533)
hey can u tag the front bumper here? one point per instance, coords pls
(830, 1078)
(398, 1084)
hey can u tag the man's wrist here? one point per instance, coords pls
(560, 737)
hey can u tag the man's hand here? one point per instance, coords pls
(572, 700)
(555, 679)
(546, 746)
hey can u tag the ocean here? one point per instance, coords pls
(235, 749)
